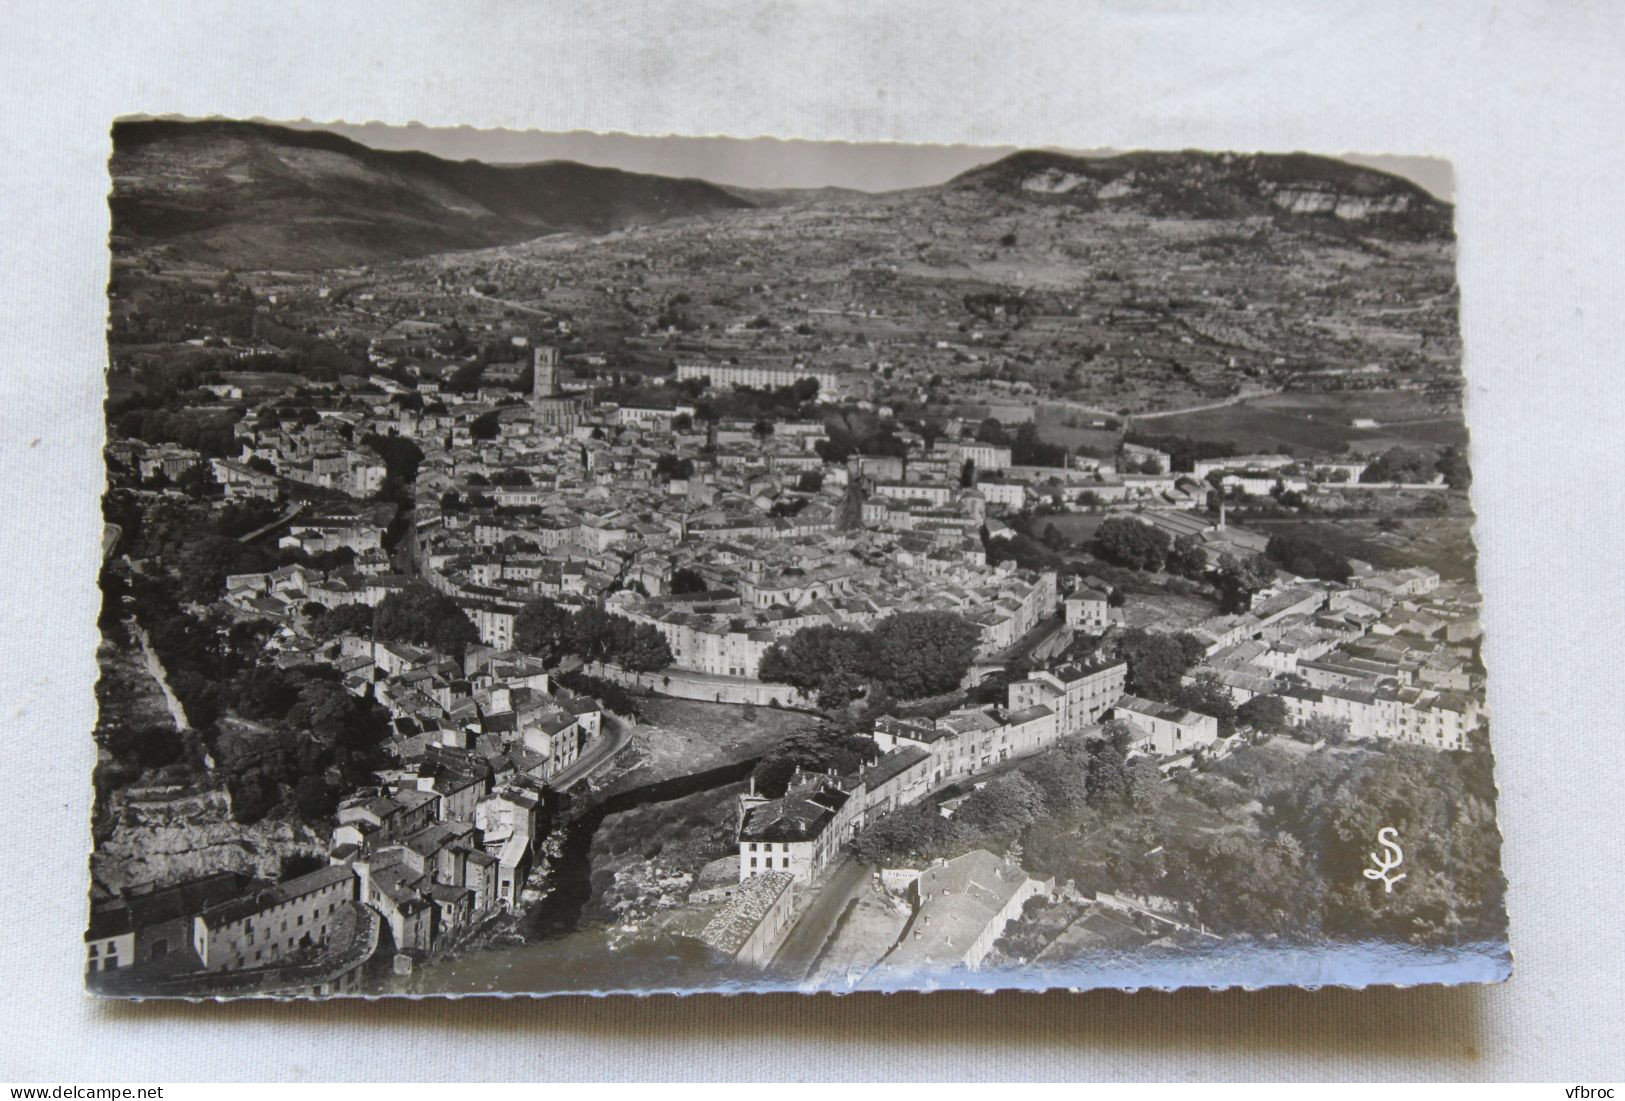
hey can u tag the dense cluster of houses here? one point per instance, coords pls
(725, 538)
(1392, 654)
(447, 836)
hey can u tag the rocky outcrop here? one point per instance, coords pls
(164, 835)
(1352, 208)
(1053, 181)
(1297, 191)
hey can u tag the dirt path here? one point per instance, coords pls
(1226, 403)
(156, 668)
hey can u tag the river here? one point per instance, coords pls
(562, 954)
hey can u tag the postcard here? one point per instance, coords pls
(562, 563)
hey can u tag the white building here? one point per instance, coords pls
(1164, 729)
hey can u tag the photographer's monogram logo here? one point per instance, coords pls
(1391, 857)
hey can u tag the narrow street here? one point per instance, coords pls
(806, 939)
(615, 738)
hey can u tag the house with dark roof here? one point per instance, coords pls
(800, 832)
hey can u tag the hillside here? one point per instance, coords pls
(1295, 187)
(250, 195)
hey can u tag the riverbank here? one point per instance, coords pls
(564, 947)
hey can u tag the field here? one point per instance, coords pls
(681, 737)
(1443, 543)
(1317, 423)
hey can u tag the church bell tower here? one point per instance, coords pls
(545, 381)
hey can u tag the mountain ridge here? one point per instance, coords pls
(1199, 184)
(269, 196)
(257, 195)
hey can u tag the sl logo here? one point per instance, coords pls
(1392, 857)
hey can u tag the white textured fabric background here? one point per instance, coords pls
(1524, 97)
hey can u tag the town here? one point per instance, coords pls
(411, 586)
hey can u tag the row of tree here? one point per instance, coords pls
(553, 632)
(909, 655)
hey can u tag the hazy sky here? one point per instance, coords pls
(760, 162)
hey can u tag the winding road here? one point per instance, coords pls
(605, 747)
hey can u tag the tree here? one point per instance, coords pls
(686, 581)
(466, 378)
(1399, 464)
(923, 653)
(151, 745)
(1443, 814)
(1241, 885)
(821, 748)
(1265, 714)
(1208, 696)
(810, 481)
(1106, 769)
(1187, 559)
(400, 455)
(967, 474)
(422, 616)
(670, 466)
(543, 628)
(1132, 544)
(640, 647)
(1318, 728)
(198, 480)
(315, 799)
(916, 832)
(1240, 579)
(486, 426)
(1452, 464)
(1002, 808)
(1306, 556)
(840, 689)
(813, 656)
(346, 619)
(1061, 774)
(1156, 662)
(264, 692)
(551, 632)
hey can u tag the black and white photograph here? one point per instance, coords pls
(544, 563)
